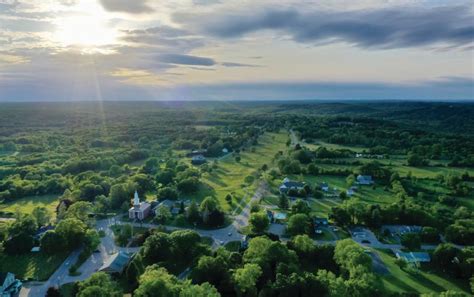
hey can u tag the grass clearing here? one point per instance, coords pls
(36, 266)
(27, 204)
(229, 176)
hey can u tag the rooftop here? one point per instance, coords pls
(116, 263)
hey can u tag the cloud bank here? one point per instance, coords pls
(377, 28)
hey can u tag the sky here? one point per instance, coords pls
(69, 50)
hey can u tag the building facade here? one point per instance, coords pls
(139, 210)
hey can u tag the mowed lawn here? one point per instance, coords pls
(424, 281)
(27, 204)
(364, 193)
(36, 266)
(229, 176)
(396, 163)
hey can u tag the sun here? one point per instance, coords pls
(88, 28)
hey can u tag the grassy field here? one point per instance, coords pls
(332, 146)
(424, 281)
(32, 265)
(229, 176)
(27, 204)
(396, 163)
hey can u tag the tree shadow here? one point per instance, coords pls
(427, 282)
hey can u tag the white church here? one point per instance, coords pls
(139, 210)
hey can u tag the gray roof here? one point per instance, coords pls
(116, 263)
(293, 184)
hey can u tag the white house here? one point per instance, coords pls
(364, 180)
(139, 210)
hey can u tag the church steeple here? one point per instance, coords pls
(136, 200)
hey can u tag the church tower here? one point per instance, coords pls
(136, 200)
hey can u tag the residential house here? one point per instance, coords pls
(9, 285)
(116, 264)
(321, 222)
(324, 187)
(35, 249)
(172, 205)
(139, 210)
(351, 191)
(279, 217)
(364, 180)
(198, 160)
(288, 185)
(167, 203)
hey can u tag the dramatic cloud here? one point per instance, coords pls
(128, 6)
(379, 28)
(186, 60)
(164, 37)
(234, 49)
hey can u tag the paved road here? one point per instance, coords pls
(61, 276)
(360, 234)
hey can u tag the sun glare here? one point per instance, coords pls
(88, 28)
